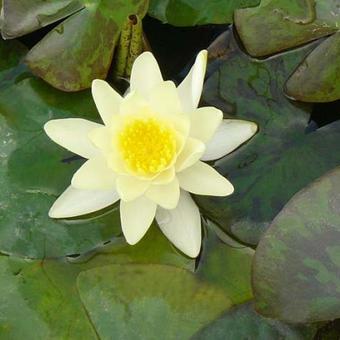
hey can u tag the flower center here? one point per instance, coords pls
(147, 145)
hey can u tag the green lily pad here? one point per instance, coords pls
(197, 12)
(242, 322)
(317, 79)
(34, 170)
(277, 25)
(297, 264)
(25, 16)
(80, 48)
(39, 299)
(281, 159)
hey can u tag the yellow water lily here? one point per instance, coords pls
(149, 154)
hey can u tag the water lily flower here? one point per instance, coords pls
(149, 154)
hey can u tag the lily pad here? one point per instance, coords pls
(34, 171)
(242, 322)
(25, 16)
(197, 12)
(80, 48)
(281, 159)
(39, 299)
(297, 264)
(277, 25)
(317, 79)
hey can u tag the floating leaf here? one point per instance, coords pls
(80, 48)
(242, 322)
(281, 159)
(277, 25)
(25, 16)
(197, 12)
(317, 79)
(297, 263)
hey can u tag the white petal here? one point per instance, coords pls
(145, 74)
(190, 89)
(94, 175)
(76, 202)
(165, 177)
(166, 195)
(164, 99)
(130, 188)
(228, 137)
(136, 217)
(132, 104)
(204, 122)
(107, 100)
(182, 225)
(191, 153)
(101, 138)
(202, 179)
(72, 134)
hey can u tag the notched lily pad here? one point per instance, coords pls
(297, 263)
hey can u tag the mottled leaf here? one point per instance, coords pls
(24, 16)
(317, 78)
(197, 12)
(80, 48)
(297, 264)
(277, 25)
(281, 159)
(242, 322)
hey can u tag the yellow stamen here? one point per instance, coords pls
(147, 145)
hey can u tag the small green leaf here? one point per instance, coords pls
(24, 16)
(197, 12)
(317, 79)
(80, 48)
(297, 263)
(277, 25)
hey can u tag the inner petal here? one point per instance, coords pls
(147, 145)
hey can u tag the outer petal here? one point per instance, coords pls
(191, 153)
(76, 202)
(182, 225)
(72, 134)
(145, 74)
(94, 175)
(229, 136)
(204, 122)
(166, 195)
(164, 99)
(190, 89)
(136, 217)
(165, 177)
(101, 138)
(130, 188)
(107, 100)
(133, 103)
(202, 179)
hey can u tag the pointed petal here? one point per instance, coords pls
(204, 122)
(107, 100)
(182, 225)
(72, 134)
(166, 195)
(190, 89)
(136, 217)
(130, 188)
(145, 74)
(94, 175)
(75, 202)
(164, 99)
(191, 153)
(228, 137)
(202, 179)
